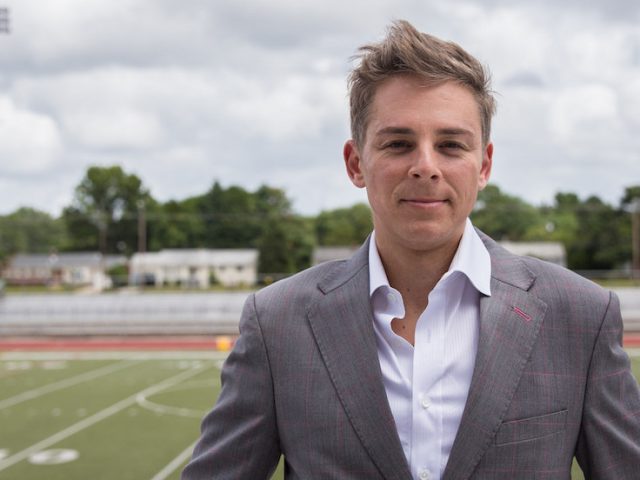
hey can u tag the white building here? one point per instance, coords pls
(326, 254)
(70, 268)
(553, 252)
(195, 268)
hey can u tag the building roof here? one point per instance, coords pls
(552, 251)
(65, 260)
(326, 254)
(195, 257)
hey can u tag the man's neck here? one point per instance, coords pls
(414, 273)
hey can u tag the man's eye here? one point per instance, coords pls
(398, 145)
(453, 146)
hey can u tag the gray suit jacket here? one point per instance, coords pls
(551, 381)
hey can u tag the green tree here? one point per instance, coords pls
(234, 217)
(505, 217)
(30, 231)
(559, 221)
(344, 226)
(630, 195)
(104, 211)
(603, 237)
(176, 224)
(285, 245)
(230, 218)
(272, 201)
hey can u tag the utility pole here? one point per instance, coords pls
(4, 20)
(142, 227)
(635, 237)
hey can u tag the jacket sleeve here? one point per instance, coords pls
(609, 442)
(239, 437)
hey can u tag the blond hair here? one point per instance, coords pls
(405, 50)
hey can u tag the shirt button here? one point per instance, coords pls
(391, 297)
(424, 474)
(425, 403)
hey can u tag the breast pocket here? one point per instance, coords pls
(532, 428)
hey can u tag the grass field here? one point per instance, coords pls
(106, 415)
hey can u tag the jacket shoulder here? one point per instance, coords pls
(552, 283)
(301, 288)
(555, 278)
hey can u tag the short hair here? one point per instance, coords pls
(405, 50)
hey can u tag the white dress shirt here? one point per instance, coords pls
(427, 384)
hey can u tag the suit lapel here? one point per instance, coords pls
(342, 324)
(509, 324)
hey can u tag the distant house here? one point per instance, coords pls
(197, 268)
(326, 254)
(70, 268)
(553, 252)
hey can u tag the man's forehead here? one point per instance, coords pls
(404, 104)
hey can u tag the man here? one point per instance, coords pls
(431, 353)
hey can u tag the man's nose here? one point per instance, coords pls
(425, 165)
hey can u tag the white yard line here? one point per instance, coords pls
(67, 382)
(168, 409)
(101, 415)
(175, 463)
(115, 355)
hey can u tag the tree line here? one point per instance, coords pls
(112, 211)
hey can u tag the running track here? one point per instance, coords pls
(220, 342)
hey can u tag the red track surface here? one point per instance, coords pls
(119, 343)
(631, 339)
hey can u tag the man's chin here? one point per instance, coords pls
(430, 236)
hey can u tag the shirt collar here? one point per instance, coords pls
(471, 259)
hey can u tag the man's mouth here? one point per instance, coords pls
(424, 202)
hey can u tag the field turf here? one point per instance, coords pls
(123, 415)
(108, 415)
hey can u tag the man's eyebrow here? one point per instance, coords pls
(395, 131)
(454, 131)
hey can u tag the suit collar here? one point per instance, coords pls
(510, 321)
(345, 271)
(471, 259)
(342, 324)
(507, 267)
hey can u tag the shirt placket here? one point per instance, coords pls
(426, 452)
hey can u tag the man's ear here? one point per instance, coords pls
(353, 162)
(485, 167)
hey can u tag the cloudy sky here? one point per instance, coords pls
(253, 92)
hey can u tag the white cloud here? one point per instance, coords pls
(297, 108)
(584, 117)
(182, 93)
(118, 128)
(59, 34)
(30, 141)
(122, 107)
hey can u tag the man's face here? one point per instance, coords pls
(422, 162)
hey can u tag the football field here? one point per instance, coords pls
(107, 415)
(102, 415)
